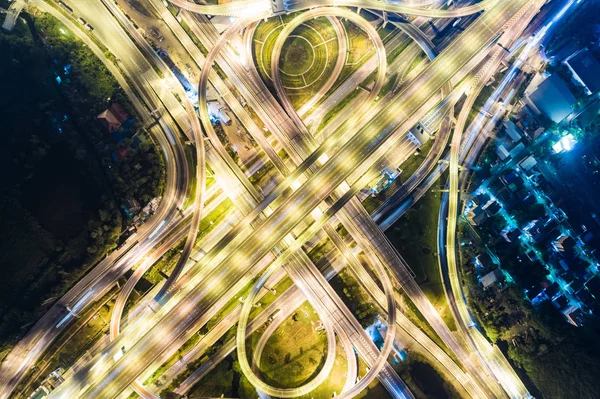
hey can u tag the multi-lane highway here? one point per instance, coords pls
(317, 189)
(96, 283)
(242, 252)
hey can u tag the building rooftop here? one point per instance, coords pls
(517, 150)
(484, 260)
(553, 98)
(502, 152)
(109, 120)
(528, 163)
(119, 112)
(477, 216)
(513, 131)
(491, 278)
(586, 69)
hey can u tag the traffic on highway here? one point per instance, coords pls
(267, 209)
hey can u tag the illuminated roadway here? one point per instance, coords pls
(277, 47)
(307, 197)
(213, 137)
(197, 138)
(498, 363)
(306, 208)
(99, 280)
(247, 8)
(409, 285)
(205, 118)
(377, 362)
(342, 50)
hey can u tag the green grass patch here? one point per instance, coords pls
(219, 381)
(269, 297)
(297, 56)
(190, 158)
(320, 250)
(307, 58)
(392, 55)
(414, 235)
(296, 351)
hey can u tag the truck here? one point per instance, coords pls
(65, 7)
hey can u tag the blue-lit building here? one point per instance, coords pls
(586, 70)
(552, 98)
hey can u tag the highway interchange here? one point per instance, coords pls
(262, 239)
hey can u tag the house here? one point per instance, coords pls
(509, 177)
(560, 302)
(531, 255)
(112, 117)
(533, 292)
(492, 277)
(118, 112)
(589, 114)
(593, 286)
(109, 121)
(512, 235)
(564, 265)
(539, 229)
(517, 150)
(492, 208)
(481, 199)
(502, 152)
(552, 290)
(577, 264)
(564, 243)
(477, 216)
(513, 181)
(586, 298)
(132, 206)
(576, 285)
(484, 260)
(586, 70)
(527, 163)
(575, 316)
(120, 153)
(536, 133)
(552, 98)
(513, 131)
(544, 231)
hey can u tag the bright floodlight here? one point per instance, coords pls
(566, 143)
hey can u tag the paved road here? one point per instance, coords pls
(302, 202)
(106, 273)
(335, 173)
